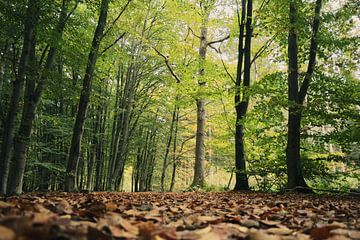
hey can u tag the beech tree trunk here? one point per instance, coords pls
(32, 15)
(168, 146)
(32, 98)
(296, 98)
(241, 95)
(73, 160)
(199, 176)
(174, 157)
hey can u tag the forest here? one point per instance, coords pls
(180, 119)
(150, 95)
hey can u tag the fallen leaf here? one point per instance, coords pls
(354, 234)
(6, 233)
(279, 231)
(249, 223)
(322, 232)
(261, 235)
(6, 205)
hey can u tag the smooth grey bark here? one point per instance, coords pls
(73, 160)
(30, 22)
(296, 180)
(199, 175)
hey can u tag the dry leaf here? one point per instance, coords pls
(6, 233)
(322, 232)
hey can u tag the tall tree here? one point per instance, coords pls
(199, 175)
(297, 97)
(168, 146)
(73, 160)
(30, 22)
(33, 91)
(241, 92)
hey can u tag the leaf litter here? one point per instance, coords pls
(196, 215)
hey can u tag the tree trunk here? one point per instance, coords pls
(296, 98)
(199, 177)
(121, 142)
(100, 149)
(32, 16)
(165, 163)
(73, 160)
(31, 100)
(241, 104)
(173, 175)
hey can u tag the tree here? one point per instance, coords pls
(32, 97)
(242, 100)
(30, 22)
(297, 97)
(73, 160)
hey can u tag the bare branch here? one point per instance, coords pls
(166, 59)
(225, 68)
(112, 44)
(264, 48)
(117, 18)
(192, 31)
(264, 4)
(72, 10)
(219, 40)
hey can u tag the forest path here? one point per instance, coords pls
(195, 215)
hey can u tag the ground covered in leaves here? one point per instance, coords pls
(251, 216)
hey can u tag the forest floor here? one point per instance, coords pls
(196, 215)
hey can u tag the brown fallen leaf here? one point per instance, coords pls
(280, 231)
(146, 230)
(120, 233)
(354, 234)
(203, 230)
(322, 232)
(6, 233)
(110, 207)
(212, 236)
(131, 228)
(207, 219)
(6, 205)
(42, 218)
(240, 228)
(338, 237)
(261, 235)
(132, 212)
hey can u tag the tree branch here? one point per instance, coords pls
(116, 19)
(219, 40)
(112, 44)
(72, 10)
(166, 59)
(313, 49)
(225, 68)
(263, 48)
(192, 31)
